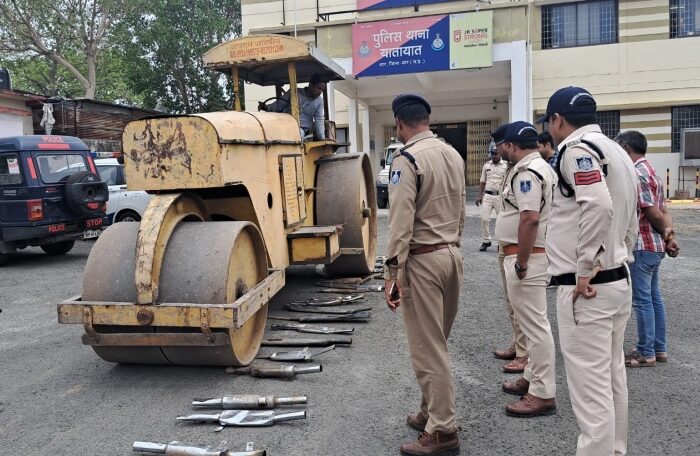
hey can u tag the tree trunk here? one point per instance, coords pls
(91, 85)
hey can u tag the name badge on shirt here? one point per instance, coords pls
(395, 177)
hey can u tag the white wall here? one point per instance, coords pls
(11, 125)
(670, 161)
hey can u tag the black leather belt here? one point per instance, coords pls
(607, 276)
(490, 192)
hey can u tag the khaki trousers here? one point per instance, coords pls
(489, 203)
(591, 333)
(529, 300)
(429, 303)
(518, 339)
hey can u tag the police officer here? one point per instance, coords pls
(489, 188)
(423, 270)
(517, 351)
(590, 237)
(526, 203)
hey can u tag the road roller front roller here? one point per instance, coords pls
(237, 198)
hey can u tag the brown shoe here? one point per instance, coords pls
(636, 359)
(529, 406)
(517, 366)
(437, 444)
(519, 386)
(661, 357)
(417, 421)
(506, 354)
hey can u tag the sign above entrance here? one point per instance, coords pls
(422, 44)
(381, 4)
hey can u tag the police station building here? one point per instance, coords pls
(483, 63)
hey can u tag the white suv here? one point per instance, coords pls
(123, 205)
(383, 177)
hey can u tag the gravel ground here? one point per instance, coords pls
(58, 398)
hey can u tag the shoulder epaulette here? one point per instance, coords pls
(404, 153)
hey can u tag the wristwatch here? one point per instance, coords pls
(518, 268)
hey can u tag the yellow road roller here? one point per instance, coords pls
(237, 197)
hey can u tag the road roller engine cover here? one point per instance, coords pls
(237, 198)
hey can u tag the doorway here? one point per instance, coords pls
(454, 134)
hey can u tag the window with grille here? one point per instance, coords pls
(609, 122)
(579, 24)
(683, 117)
(685, 18)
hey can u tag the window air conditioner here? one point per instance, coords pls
(690, 147)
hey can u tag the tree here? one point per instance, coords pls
(72, 35)
(168, 38)
(43, 76)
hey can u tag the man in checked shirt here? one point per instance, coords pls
(654, 241)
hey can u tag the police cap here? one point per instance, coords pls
(407, 99)
(520, 133)
(492, 148)
(569, 100)
(497, 135)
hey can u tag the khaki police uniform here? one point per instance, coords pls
(528, 186)
(427, 209)
(595, 227)
(492, 178)
(518, 339)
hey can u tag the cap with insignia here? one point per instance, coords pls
(407, 99)
(520, 133)
(569, 100)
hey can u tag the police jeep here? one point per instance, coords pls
(50, 194)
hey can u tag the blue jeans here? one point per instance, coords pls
(647, 303)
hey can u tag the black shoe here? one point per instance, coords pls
(484, 246)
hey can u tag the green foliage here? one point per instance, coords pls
(42, 76)
(145, 53)
(163, 44)
(53, 38)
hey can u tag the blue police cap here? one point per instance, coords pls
(520, 132)
(497, 135)
(569, 100)
(407, 99)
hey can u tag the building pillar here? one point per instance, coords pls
(365, 130)
(330, 92)
(519, 95)
(519, 102)
(352, 124)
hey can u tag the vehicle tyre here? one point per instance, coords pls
(3, 258)
(59, 248)
(382, 203)
(85, 193)
(127, 216)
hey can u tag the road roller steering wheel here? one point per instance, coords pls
(262, 105)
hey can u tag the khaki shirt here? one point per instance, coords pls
(598, 225)
(492, 175)
(528, 193)
(433, 215)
